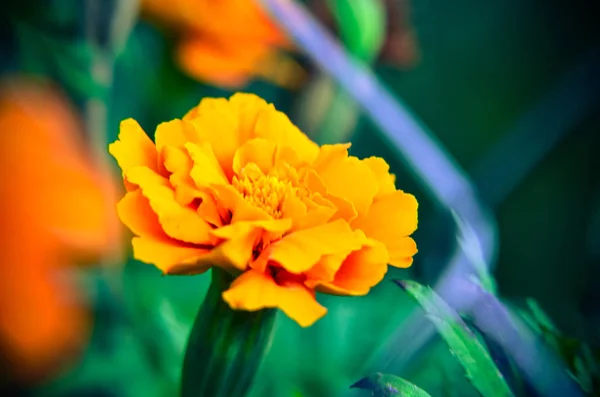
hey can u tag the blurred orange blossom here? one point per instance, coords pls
(235, 184)
(226, 42)
(56, 207)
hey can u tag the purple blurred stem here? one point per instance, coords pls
(446, 183)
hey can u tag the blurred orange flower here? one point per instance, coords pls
(235, 184)
(55, 208)
(226, 42)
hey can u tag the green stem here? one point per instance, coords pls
(226, 346)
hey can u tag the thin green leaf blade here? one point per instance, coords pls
(478, 364)
(385, 385)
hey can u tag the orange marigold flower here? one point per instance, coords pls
(56, 207)
(235, 184)
(226, 42)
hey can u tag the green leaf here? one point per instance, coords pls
(469, 242)
(384, 385)
(577, 355)
(67, 61)
(464, 345)
(362, 25)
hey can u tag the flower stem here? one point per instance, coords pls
(226, 346)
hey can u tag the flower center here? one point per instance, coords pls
(266, 192)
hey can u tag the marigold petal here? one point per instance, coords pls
(235, 120)
(238, 250)
(324, 271)
(297, 252)
(309, 213)
(227, 64)
(241, 238)
(133, 148)
(179, 164)
(275, 126)
(235, 229)
(179, 222)
(402, 252)
(135, 212)
(201, 263)
(177, 160)
(254, 290)
(331, 153)
(166, 254)
(381, 169)
(344, 208)
(248, 108)
(239, 209)
(258, 151)
(144, 176)
(218, 125)
(341, 174)
(233, 255)
(78, 204)
(360, 271)
(390, 219)
(209, 209)
(294, 208)
(206, 170)
(175, 133)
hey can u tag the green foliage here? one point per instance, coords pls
(384, 385)
(581, 360)
(472, 355)
(469, 243)
(362, 25)
(329, 114)
(67, 61)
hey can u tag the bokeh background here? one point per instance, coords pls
(509, 91)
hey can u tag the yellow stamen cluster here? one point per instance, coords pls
(266, 192)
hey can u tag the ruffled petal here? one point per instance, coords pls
(390, 220)
(299, 251)
(227, 63)
(309, 213)
(240, 239)
(254, 290)
(134, 148)
(206, 170)
(209, 210)
(275, 126)
(347, 177)
(344, 208)
(179, 164)
(144, 176)
(402, 252)
(179, 222)
(167, 254)
(324, 271)
(258, 151)
(360, 271)
(239, 209)
(175, 133)
(135, 212)
(381, 169)
(279, 226)
(235, 121)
